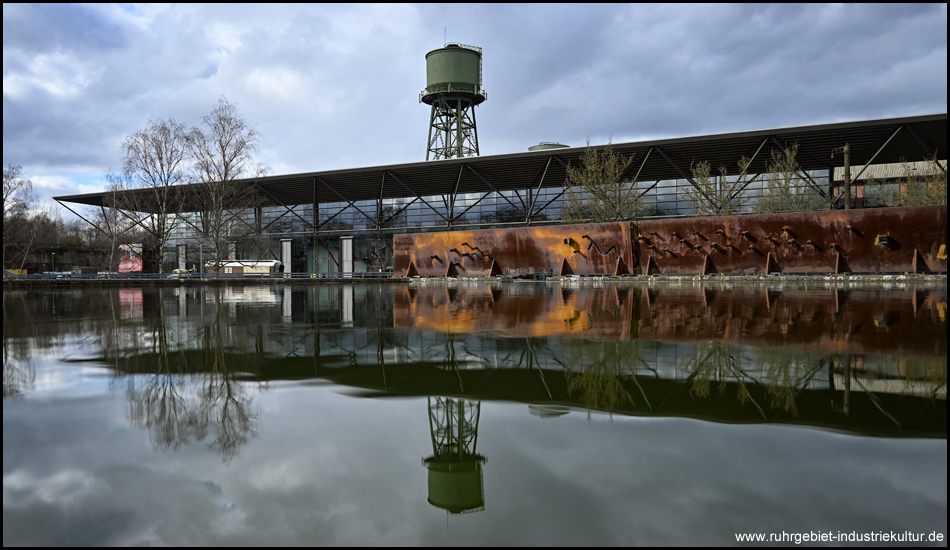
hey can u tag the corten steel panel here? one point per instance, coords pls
(587, 249)
(908, 323)
(537, 311)
(880, 240)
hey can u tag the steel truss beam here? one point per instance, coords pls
(452, 131)
(418, 196)
(287, 209)
(350, 204)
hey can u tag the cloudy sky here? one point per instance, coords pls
(337, 86)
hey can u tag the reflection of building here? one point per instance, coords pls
(455, 469)
(708, 351)
(548, 411)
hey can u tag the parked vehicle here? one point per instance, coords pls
(246, 267)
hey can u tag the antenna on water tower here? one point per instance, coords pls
(453, 89)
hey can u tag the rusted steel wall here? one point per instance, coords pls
(582, 249)
(882, 240)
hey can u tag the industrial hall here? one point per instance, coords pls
(309, 220)
(345, 221)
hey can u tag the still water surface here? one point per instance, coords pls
(434, 414)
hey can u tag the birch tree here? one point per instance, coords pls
(222, 149)
(154, 165)
(17, 196)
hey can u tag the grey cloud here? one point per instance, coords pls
(336, 86)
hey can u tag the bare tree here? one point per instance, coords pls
(713, 195)
(154, 164)
(223, 153)
(17, 196)
(787, 188)
(112, 226)
(597, 191)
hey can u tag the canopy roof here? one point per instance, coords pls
(871, 142)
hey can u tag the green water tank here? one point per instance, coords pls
(454, 69)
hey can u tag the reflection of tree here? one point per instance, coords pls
(19, 373)
(606, 369)
(160, 406)
(782, 373)
(223, 399)
(185, 402)
(719, 361)
(787, 373)
(930, 372)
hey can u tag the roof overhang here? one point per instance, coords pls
(871, 142)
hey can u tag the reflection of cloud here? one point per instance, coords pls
(69, 382)
(311, 478)
(329, 469)
(63, 487)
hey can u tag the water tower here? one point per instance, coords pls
(453, 89)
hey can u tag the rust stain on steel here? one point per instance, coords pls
(539, 311)
(882, 240)
(583, 249)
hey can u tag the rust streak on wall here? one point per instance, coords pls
(882, 240)
(588, 249)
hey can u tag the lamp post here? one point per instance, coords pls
(54, 262)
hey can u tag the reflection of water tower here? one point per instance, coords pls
(455, 472)
(453, 89)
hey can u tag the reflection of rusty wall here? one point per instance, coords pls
(883, 240)
(826, 321)
(584, 249)
(519, 311)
